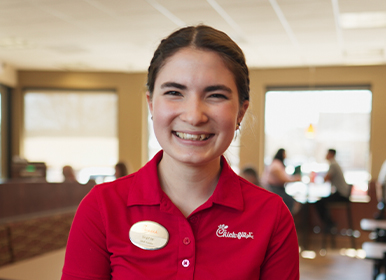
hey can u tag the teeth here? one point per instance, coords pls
(195, 137)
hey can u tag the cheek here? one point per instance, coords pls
(228, 115)
(162, 115)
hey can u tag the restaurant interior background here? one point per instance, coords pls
(73, 76)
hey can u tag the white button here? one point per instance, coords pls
(185, 263)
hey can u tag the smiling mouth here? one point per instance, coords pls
(194, 137)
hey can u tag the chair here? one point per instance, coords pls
(376, 251)
(350, 231)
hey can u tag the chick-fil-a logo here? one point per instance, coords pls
(223, 232)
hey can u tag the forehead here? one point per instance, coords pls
(189, 64)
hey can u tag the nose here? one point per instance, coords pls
(194, 111)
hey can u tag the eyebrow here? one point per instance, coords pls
(218, 87)
(207, 89)
(172, 85)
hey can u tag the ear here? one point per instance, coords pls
(149, 102)
(242, 111)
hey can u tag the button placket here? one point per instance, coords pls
(186, 251)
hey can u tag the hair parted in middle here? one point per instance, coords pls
(205, 38)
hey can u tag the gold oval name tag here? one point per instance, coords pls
(148, 235)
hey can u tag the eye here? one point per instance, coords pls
(173, 93)
(218, 95)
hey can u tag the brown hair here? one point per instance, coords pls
(121, 169)
(206, 38)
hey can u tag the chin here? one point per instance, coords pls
(198, 159)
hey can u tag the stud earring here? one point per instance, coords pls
(238, 126)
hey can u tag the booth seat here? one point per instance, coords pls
(35, 217)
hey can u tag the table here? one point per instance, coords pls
(306, 194)
(371, 224)
(376, 226)
(376, 251)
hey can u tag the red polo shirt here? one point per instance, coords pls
(241, 232)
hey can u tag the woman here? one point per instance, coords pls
(120, 170)
(186, 214)
(275, 176)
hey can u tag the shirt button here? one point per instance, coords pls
(193, 220)
(185, 263)
(186, 241)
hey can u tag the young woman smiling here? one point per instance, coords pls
(186, 214)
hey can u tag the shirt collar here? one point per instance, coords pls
(228, 190)
(147, 190)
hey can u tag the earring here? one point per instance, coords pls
(151, 117)
(238, 126)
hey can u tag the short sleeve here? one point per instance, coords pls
(87, 256)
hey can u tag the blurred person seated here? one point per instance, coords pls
(275, 179)
(69, 175)
(380, 186)
(120, 170)
(342, 190)
(250, 174)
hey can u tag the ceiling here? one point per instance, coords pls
(121, 35)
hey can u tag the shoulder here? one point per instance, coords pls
(333, 165)
(277, 164)
(110, 193)
(258, 194)
(265, 207)
(118, 185)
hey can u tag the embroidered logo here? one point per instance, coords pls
(222, 231)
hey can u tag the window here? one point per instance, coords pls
(77, 128)
(306, 123)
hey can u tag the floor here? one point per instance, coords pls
(332, 266)
(335, 266)
(44, 267)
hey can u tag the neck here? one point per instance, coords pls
(188, 186)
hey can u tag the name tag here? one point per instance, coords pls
(148, 235)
